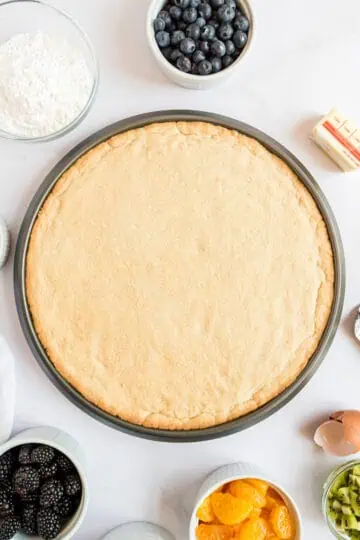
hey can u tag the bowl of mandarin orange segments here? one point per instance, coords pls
(238, 502)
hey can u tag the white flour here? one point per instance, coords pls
(45, 83)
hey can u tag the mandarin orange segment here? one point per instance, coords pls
(253, 529)
(275, 495)
(205, 511)
(260, 485)
(280, 521)
(243, 490)
(271, 503)
(255, 513)
(230, 510)
(213, 532)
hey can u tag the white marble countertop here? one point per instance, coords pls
(304, 62)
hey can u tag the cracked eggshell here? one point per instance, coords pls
(340, 436)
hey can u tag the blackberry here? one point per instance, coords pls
(51, 493)
(72, 485)
(24, 456)
(30, 497)
(48, 471)
(6, 462)
(42, 454)
(9, 527)
(6, 486)
(6, 504)
(28, 519)
(64, 463)
(25, 480)
(48, 524)
(65, 508)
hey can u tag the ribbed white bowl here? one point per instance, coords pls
(4, 242)
(139, 531)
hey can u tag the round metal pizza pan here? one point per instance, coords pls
(70, 392)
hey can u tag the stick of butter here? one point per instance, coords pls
(340, 139)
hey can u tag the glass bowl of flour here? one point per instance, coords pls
(48, 72)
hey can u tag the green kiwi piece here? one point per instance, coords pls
(354, 480)
(334, 516)
(336, 505)
(355, 502)
(338, 483)
(346, 510)
(343, 495)
(356, 470)
(350, 522)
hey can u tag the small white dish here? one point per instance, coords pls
(65, 443)
(139, 531)
(4, 242)
(187, 80)
(238, 471)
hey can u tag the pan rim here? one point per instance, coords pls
(219, 430)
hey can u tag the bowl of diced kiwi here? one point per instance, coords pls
(341, 501)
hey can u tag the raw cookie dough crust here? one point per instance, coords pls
(179, 275)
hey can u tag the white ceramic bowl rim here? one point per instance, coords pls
(94, 71)
(188, 76)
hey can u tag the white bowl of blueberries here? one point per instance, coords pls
(199, 43)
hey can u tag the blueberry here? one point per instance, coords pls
(172, 27)
(216, 64)
(231, 3)
(175, 54)
(217, 3)
(194, 69)
(190, 15)
(218, 48)
(167, 52)
(183, 64)
(198, 56)
(241, 23)
(175, 13)
(205, 10)
(194, 3)
(193, 31)
(230, 47)
(205, 67)
(226, 13)
(240, 39)
(225, 31)
(181, 3)
(187, 46)
(200, 21)
(204, 46)
(159, 24)
(208, 32)
(163, 39)
(182, 25)
(214, 23)
(177, 37)
(226, 61)
(165, 15)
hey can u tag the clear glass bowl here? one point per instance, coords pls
(31, 16)
(329, 482)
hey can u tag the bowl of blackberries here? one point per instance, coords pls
(199, 43)
(42, 491)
